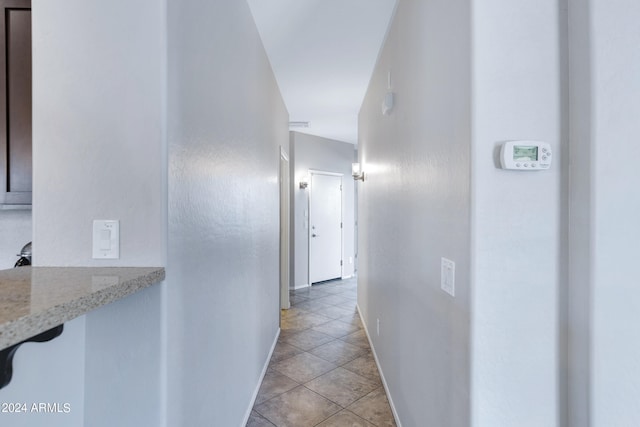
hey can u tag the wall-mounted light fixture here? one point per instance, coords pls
(304, 182)
(356, 172)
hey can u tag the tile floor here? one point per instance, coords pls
(322, 372)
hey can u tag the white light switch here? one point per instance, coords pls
(106, 239)
(448, 276)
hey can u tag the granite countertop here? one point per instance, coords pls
(36, 299)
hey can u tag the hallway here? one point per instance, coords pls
(322, 372)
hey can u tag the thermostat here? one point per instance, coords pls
(525, 155)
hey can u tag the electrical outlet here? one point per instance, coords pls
(378, 326)
(448, 276)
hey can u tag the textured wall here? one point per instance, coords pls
(98, 129)
(603, 323)
(226, 122)
(98, 88)
(104, 103)
(312, 152)
(579, 343)
(414, 208)
(516, 217)
(51, 372)
(435, 189)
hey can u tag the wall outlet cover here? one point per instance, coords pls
(448, 276)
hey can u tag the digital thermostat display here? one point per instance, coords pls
(525, 155)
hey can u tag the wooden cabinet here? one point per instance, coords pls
(15, 103)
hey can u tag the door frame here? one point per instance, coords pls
(284, 175)
(341, 175)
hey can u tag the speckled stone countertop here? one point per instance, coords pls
(36, 299)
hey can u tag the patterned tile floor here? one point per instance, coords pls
(322, 372)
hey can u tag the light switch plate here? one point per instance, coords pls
(448, 276)
(106, 239)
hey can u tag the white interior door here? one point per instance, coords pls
(325, 227)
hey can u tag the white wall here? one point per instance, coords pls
(226, 121)
(105, 96)
(604, 36)
(15, 229)
(516, 225)
(51, 372)
(98, 144)
(489, 357)
(313, 152)
(580, 283)
(98, 81)
(123, 362)
(414, 208)
(615, 230)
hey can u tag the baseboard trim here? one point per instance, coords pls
(384, 381)
(306, 285)
(264, 372)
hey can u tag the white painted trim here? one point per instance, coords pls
(384, 381)
(347, 277)
(295, 288)
(319, 172)
(264, 372)
(284, 181)
(283, 153)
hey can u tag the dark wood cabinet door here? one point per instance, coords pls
(15, 102)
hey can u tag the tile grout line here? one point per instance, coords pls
(354, 321)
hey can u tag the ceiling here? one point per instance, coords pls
(323, 53)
